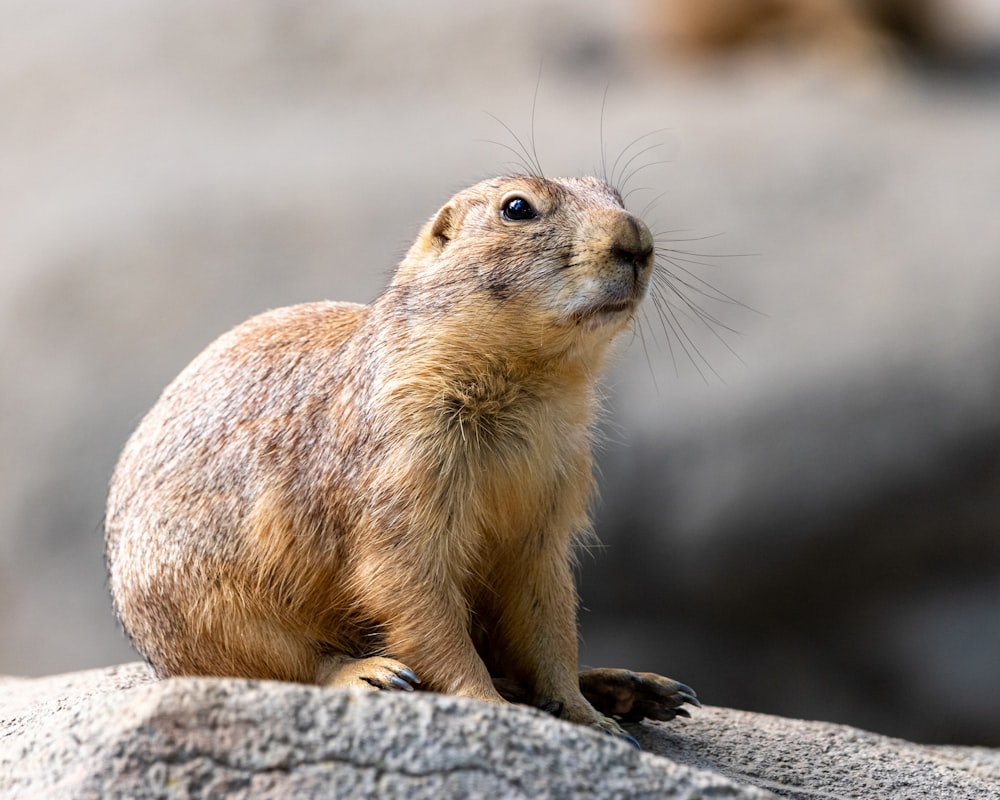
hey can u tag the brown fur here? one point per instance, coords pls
(331, 491)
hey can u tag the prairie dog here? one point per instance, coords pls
(388, 495)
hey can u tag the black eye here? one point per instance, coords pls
(517, 209)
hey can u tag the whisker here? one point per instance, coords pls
(677, 260)
(640, 168)
(632, 191)
(651, 206)
(658, 307)
(659, 237)
(604, 144)
(627, 148)
(710, 325)
(522, 165)
(695, 312)
(674, 292)
(534, 169)
(714, 292)
(709, 291)
(704, 255)
(710, 321)
(633, 158)
(645, 350)
(534, 102)
(687, 342)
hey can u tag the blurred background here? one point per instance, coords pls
(807, 524)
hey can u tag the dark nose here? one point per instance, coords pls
(632, 243)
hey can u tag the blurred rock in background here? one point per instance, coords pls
(859, 32)
(811, 528)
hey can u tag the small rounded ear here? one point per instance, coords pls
(443, 227)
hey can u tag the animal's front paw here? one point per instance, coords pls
(634, 696)
(372, 673)
(584, 713)
(609, 726)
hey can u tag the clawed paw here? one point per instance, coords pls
(634, 696)
(374, 673)
(609, 726)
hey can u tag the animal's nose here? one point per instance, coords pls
(631, 242)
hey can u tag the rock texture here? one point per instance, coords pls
(117, 733)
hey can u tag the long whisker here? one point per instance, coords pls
(632, 159)
(710, 290)
(660, 246)
(651, 205)
(604, 144)
(709, 319)
(645, 350)
(661, 237)
(625, 151)
(695, 312)
(534, 168)
(639, 169)
(705, 289)
(534, 103)
(521, 166)
(668, 327)
(688, 342)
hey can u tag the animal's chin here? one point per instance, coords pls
(610, 312)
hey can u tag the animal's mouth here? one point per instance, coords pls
(607, 310)
(615, 307)
(601, 301)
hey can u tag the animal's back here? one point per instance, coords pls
(248, 417)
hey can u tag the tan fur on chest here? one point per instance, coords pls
(499, 461)
(521, 457)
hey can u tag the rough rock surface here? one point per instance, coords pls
(117, 733)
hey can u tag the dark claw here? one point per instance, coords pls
(631, 740)
(409, 675)
(682, 712)
(555, 708)
(399, 683)
(687, 694)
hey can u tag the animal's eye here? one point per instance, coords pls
(517, 209)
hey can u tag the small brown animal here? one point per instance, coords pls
(357, 495)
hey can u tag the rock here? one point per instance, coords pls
(799, 759)
(116, 732)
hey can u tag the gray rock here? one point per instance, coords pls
(112, 733)
(799, 759)
(117, 733)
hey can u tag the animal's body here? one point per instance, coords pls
(389, 494)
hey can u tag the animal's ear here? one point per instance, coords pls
(444, 227)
